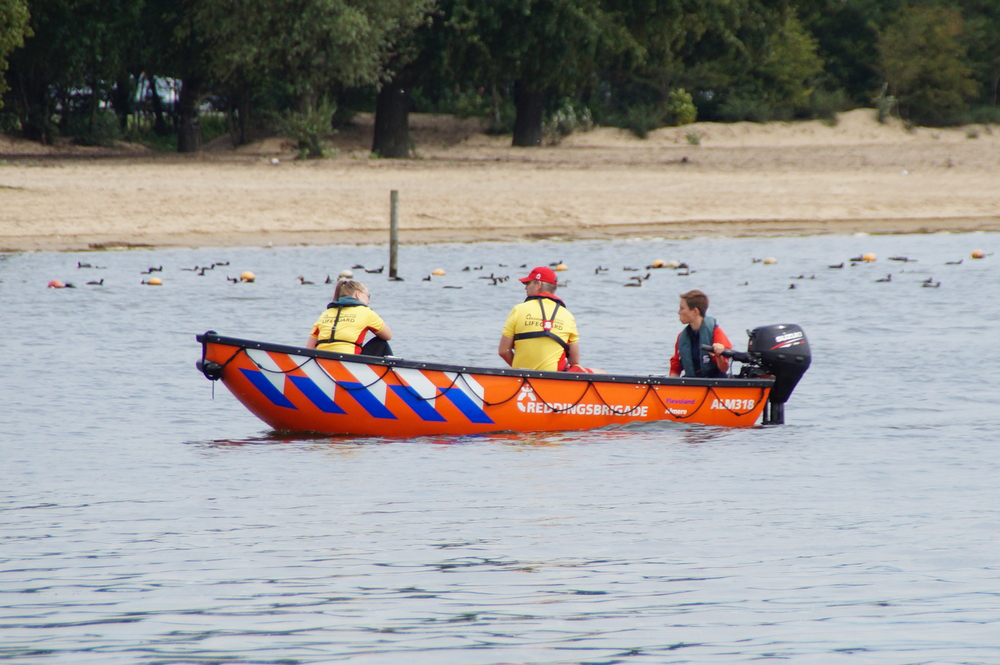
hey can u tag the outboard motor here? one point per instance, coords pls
(783, 351)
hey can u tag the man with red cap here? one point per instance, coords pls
(540, 333)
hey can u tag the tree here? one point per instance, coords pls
(538, 48)
(13, 29)
(847, 32)
(415, 53)
(789, 65)
(922, 59)
(982, 34)
(311, 46)
(70, 63)
(734, 55)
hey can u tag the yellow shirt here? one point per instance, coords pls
(352, 325)
(541, 352)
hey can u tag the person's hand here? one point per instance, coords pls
(717, 348)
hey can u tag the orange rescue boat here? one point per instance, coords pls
(304, 390)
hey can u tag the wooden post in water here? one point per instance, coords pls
(393, 231)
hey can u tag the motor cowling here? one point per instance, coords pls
(783, 351)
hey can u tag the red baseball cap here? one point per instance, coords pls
(542, 274)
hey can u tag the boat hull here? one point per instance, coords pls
(304, 390)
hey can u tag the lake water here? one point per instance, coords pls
(143, 520)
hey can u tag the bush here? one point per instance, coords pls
(103, 132)
(213, 125)
(739, 108)
(922, 56)
(308, 128)
(567, 120)
(825, 105)
(680, 108)
(502, 118)
(643, 118)
(884, 104)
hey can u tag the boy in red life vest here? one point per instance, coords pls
(700, 330)
(540, 333)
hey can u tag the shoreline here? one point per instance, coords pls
(652, 230)
(740, 180)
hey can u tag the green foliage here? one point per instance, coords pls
(846, 32)
(567, 119)
(884, 104)
(308, 128)
(680, 108)
(13, 29)
(984, 115)
(693, 138)
(643, 118)
(638, 64)
(310, 44)
(982, 36)
(739, 108)
(100, 130)
(922, 57)
(790, 66)
(826, 104)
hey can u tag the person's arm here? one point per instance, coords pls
(719, 344)
(313, 338)
(574, 354)
(385, 333)
(506, 350)
(675, 361)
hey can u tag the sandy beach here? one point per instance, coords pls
(739, 180)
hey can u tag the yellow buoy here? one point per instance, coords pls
(869, 257)
(561, 267)
(247, 276)
(438, 271)
(978, 253)
(770, 261)
(673, 263)
(659, 263)
(155, 281)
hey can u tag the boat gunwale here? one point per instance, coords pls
(394, 361)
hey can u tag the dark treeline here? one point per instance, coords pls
(173, 72)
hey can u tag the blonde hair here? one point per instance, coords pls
(347, 288)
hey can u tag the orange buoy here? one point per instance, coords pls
(156, 281)
(438, 271)
(56, 284)
(869, 257)
(770, 261)
(659, 263)
(560, 267)
(247, 276)
(978, 253)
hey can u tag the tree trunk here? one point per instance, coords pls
(159, 123)
(35, 111)
(239, 112)
(95, 102)
(392, 121)
(528, 122)
(189, 129)
(123, 99)
(995, 84)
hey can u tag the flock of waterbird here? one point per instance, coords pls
(680, 269)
